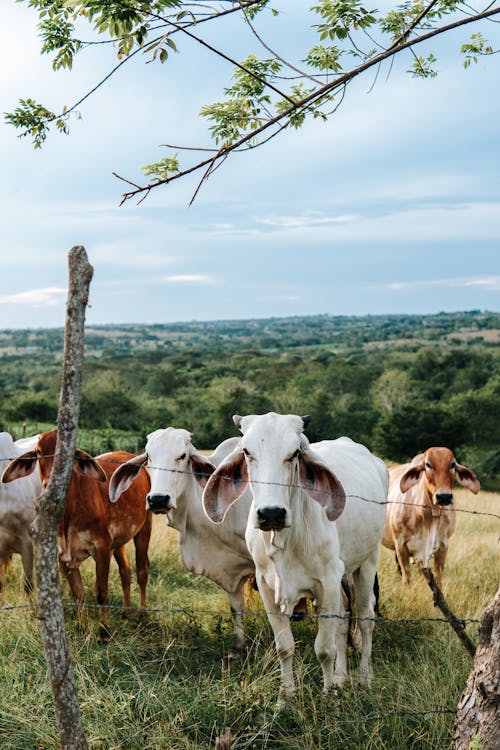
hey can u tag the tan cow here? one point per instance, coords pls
(418, 524)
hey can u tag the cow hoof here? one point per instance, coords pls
(104, 636)
(339, 680)
(365, 677)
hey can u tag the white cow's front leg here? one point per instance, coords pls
(365, 600)
(341, 639)
(237, 603)
(283, 638)
(325, 643)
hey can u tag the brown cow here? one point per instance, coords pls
(417, 523)
(92, 526)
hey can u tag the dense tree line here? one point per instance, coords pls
(398, 401)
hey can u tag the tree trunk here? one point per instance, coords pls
(50, 509)
(477, 725)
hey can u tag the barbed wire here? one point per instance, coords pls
(241, 480)
(244, 613)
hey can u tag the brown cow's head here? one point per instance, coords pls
(438, 468)
(43, 454)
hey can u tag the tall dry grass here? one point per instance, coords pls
(163, 681)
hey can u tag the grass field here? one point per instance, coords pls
(163, 681)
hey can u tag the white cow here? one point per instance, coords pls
(17, 511)
(178, 473)
(298, 489)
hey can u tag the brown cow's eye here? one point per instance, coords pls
(428, 465)
(453, 465)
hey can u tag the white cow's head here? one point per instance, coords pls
(274, 457)
(171, 461)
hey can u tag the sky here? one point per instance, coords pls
(393, 206)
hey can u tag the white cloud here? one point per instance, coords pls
(189, 279)
(48, 297)
(489, 283)
(306, 221)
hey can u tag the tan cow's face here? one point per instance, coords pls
(437, 468)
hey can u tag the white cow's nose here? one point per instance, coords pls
(158, 503)
(271, 517)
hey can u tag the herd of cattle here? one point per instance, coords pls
(298, 517)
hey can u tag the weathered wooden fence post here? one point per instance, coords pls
(478, 717)
(50, 508)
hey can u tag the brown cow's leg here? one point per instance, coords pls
(102, 561)
(403, 558)
(141, 541)
(74, 578)
(439, 561)
(125, 577)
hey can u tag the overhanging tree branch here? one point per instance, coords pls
(307, 101)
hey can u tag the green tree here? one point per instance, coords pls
(267, 94)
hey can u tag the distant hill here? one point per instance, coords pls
(270, 334)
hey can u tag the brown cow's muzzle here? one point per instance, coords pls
(444, 498)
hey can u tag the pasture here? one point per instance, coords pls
(164, 682)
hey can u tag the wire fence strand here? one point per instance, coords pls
(328, 493)
(222, 614)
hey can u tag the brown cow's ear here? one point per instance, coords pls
(201, 467)
(321, 484)
(124, 475)
(22, 466)
(86, 464)
(226, 484)
(467, 478)
(411, 477)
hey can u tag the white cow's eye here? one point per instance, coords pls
(181, 458)
(247, 454)
(293, 456)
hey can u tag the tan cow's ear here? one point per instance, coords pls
(467, 478)
(20, 467)
(86, 464)
(226, 484)
(124, 475)
(321, 484)
(411, 477)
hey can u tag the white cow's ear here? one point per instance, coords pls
(124, 475)
(237, 420)
(411, 477)
(467, 478)
(226, 484)
(321, 484)
(21, 467)
(86, 464)
(201, 466)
